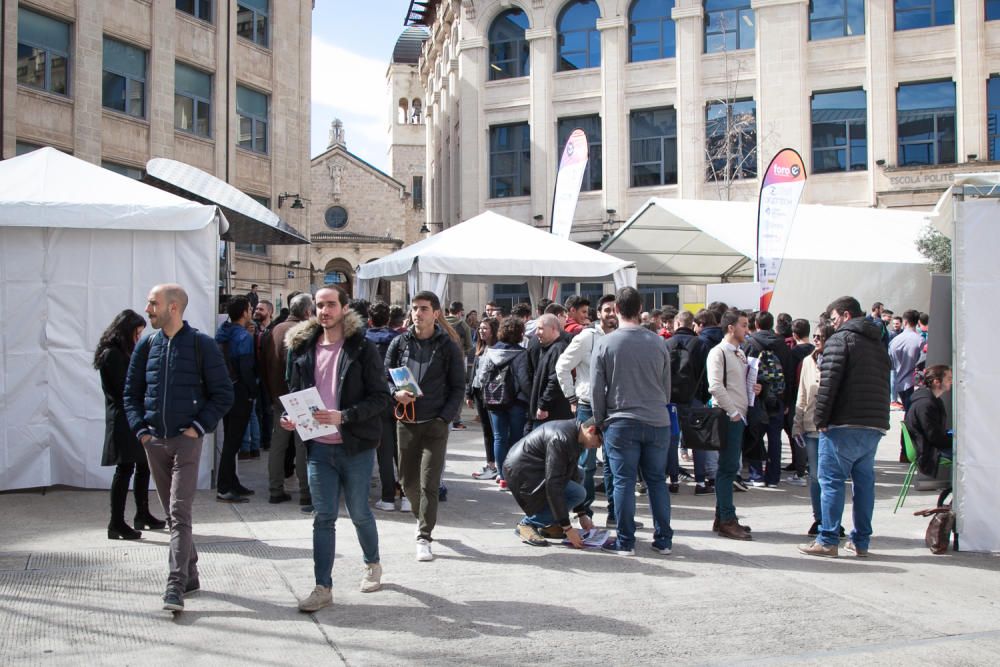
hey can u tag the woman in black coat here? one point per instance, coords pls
(926, 420)
(121, 448)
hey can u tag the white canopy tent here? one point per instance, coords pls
(78, 244)
(492, 247)
(832, 250)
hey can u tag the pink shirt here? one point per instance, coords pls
(327, 359)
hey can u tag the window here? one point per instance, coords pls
(506, 296)
(508, 48)
(335, 217)
(579, 39)
(925, 122)
(42, 52)
(653, 155)
(335, 278)
(418, 192)
(729, 25)
(201, 9)
(731, 139)
(251, 20)
(192, 100)
(124, 85)
(251, 110)
(510, 160)
(911, 14)
(123, 169)
(255, 248)
(993, 117)
(651, 31)
(591, 125)
(659, 296)
(23, 147)
(829, 19)
(839, 136)
(992, 10)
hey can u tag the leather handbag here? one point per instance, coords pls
(703, 428)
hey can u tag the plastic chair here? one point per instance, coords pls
(911, 455)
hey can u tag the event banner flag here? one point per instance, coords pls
(568, 181)
(779, 197)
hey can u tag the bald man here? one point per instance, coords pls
(176, 391)
(547, 401)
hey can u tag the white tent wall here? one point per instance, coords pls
(977, 371)
(59, 290)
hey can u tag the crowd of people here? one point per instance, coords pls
(552, 387)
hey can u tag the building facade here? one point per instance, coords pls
(223, 86)
(886, 101)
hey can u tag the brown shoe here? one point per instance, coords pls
(733, 530)
(552, 532)
(715, 525)
(853, 548)
(819, 549)
(530, 535)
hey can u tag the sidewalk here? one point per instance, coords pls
(69, 596)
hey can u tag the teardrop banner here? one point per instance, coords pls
(780, 191)
(569, 179)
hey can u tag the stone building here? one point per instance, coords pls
(358, 212)
(885, 101)
(223, 86)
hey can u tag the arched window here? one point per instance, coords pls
(401, 112)
(508, 48)
(579, 39)
(416, 112)
(651, 31)
(729, 25)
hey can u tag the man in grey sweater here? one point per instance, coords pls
(630, 389)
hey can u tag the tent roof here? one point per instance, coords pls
(47, 188)
(490, 244)
(695, 241)
(249, 221)
(982, 183)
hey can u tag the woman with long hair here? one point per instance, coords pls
(121, 448)
(927, 421)
(508, 423)
(487, 336)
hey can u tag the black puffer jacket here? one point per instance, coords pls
(854, 378)
(539, 465)
(361, 388)
(442, 381)
(688, 358)
(926, 421)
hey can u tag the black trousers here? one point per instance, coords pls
(119, 489)
(235, 425)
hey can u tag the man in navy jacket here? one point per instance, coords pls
(177, 390)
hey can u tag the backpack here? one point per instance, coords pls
(234, 375)
(771, 375)
(498, 386)
(683, 379)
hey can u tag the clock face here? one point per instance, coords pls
(336, 217)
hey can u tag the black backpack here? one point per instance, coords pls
(498, 386)
(683, 378)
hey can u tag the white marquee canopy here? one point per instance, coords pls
(495, 248)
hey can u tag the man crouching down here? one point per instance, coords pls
(543, 475)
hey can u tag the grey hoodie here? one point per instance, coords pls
(500, 354)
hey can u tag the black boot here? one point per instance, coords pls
(143, 519)
(117, 528)
(122, 532)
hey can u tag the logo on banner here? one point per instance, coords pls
(779, 197)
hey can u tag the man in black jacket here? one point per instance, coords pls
(331, 354)
(437, 364)
(177, 390)
(764, 339)
(547, 401)
(544, 477)
(688, 357)
(852, 415)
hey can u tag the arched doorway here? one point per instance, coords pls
(339, 272)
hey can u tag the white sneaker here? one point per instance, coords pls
(795, 480)
(424, 550)
(404, 505)
(372, 580)
(385, 506)
(319, 598)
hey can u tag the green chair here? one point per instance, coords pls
(911, 455)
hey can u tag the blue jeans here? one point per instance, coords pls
(251, 437)
(574, 495)
(632, 446)
(508, 427)
(847, 452)
(673, 455)
(771, 474)
(812, 456)
(588, 460)
(333, 471)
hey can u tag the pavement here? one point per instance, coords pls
(69, 596)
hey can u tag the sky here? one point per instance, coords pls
(352, 43)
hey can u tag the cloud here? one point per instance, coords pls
(351, 87)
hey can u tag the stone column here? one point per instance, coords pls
(541, 119)
(614, 138)
(85, 81)
(782, 91)
(970, 80)
(160, 86)
(690, 99)
(473, 153)
(881, 89)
